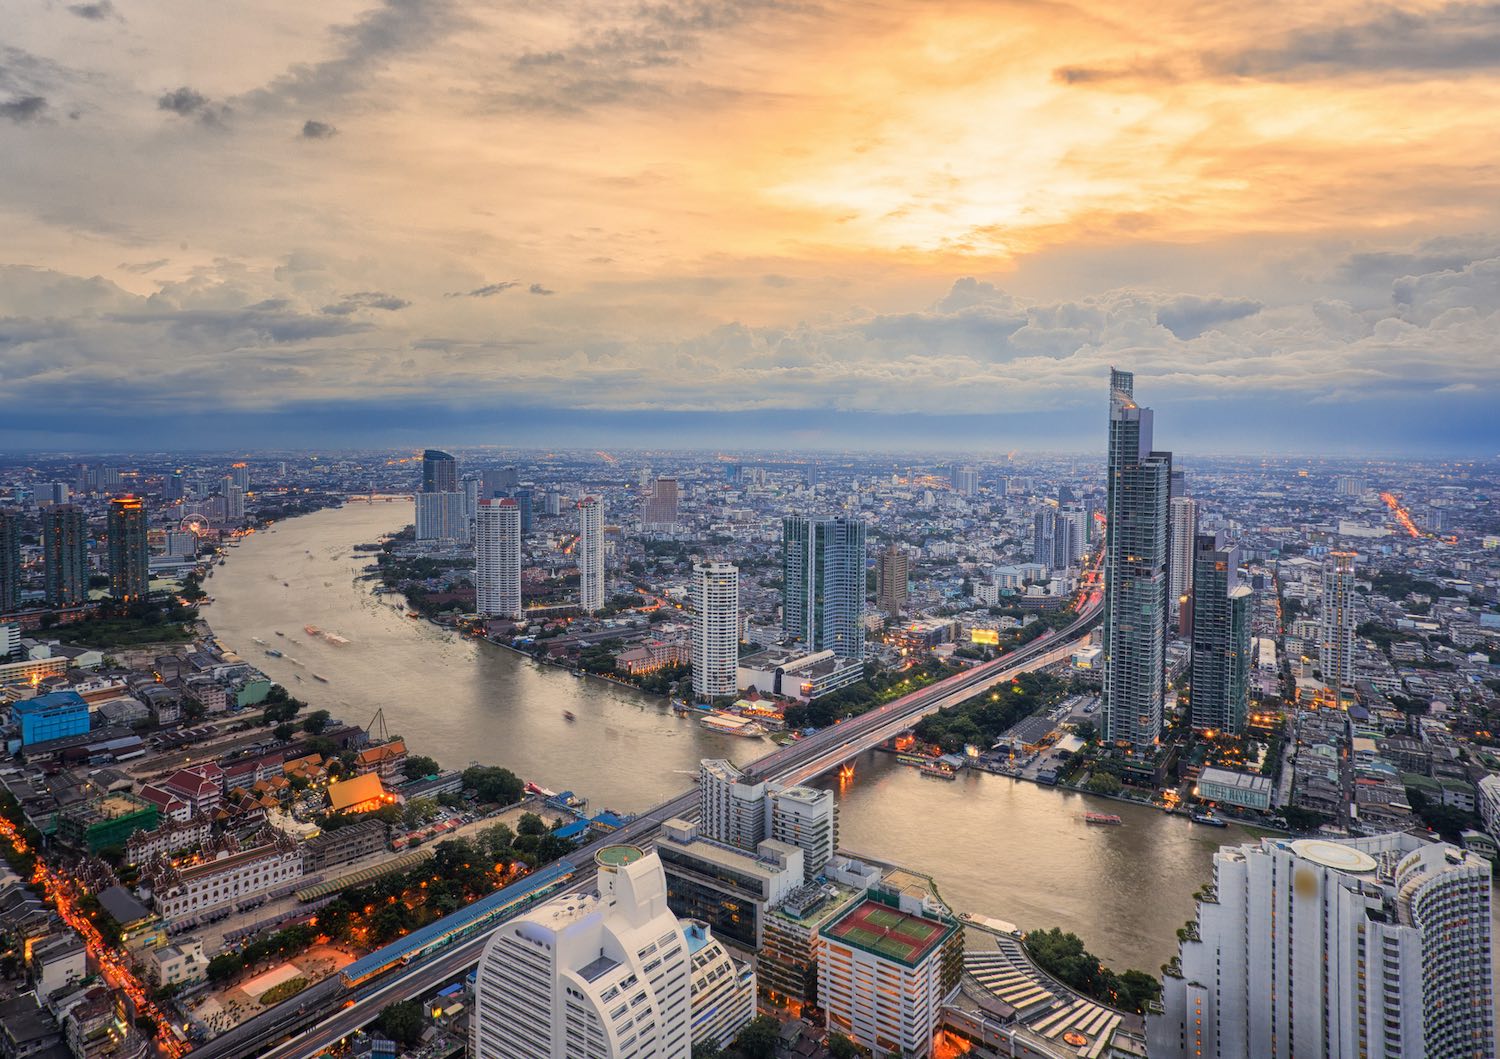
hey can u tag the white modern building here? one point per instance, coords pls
(723, 989)
(716, 629)
(497, 558)
(1184, 536)
(1371, 948)
(1336, 627)
(740, 812)
(604, 975)
(591, 554)
(440, 517)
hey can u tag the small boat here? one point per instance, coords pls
(297, 675)
(280, 633)
(286, 584)
(321, 677)
(1207, 819)
(568, 715)
(273, 652)
(1102, 819)
(937, 770)
(335, 639)
(257, 639)
(311, 630)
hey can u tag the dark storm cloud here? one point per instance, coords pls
(537, 288)
(95, 12)
(23, 108)
(1442, 41)
(1189, 315)
(318, 130)
(365, 299)
(186, 102)
(364, 47)
(487, 291)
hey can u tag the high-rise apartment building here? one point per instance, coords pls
(439, 472)
(892, 579)
(604, 975)
(65, 555)
(823, 578)
(1184, 541)
(590, 552)
(175, 487)
(239, 473)
(498, 481)
(442, 517)
(10, 560)
(1368, 948)
(1220, 638)
(886, 967)
(234, 501)
(1043, 529)
(129, 576)
(716, 629)
(524, 497)
(1349, 485)
(1336, 626)
(497, 558)
(553, 503)
(965, 480)
(54, 493)
(1137, 538)
(659, 513)
(741, 812)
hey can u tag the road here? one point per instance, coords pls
(795, 762)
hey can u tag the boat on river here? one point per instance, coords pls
(1207, 819)
(273, 652)
(569, 716)
(1102, 819)
(938, 770)
(320, 677)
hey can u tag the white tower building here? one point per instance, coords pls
(1184, 538)
(603, 975)
(1336, 631)
(497, 558)
(591, 554)
(716, 629)
(1372, 947)
(739, 812)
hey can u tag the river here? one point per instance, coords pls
(996, 846)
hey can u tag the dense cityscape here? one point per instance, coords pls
(215, 847)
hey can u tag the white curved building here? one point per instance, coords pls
(716, 629)
(605, 975)
(497, 558)
(1372, 948)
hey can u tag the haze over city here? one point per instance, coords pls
(846, 225)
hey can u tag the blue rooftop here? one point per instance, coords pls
(56, 700)
(697, 936)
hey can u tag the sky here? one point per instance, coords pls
(749, 223)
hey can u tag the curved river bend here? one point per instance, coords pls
(996, 846)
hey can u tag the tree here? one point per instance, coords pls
(531, 824)
(1104, 783)
(418, 811)
(315, 722)
(416, 767)
(224, 967)
(759, 1038)
(493, 784)
(284, 731)
(707, 1050)
(402, 1022)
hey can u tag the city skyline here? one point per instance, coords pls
(223, 227)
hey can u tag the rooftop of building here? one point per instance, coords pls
(877, 926)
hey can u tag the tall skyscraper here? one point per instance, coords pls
(524, 497)
(65, 555)
(129, 571)
(497, 559)
(823, 578)
(604, 975)
(1370, 947)
(892, 579)
(54, 493)
(1220, 637)
(10, 560)
(1137, 538)
(1043, 530)
(441, 517)
(965, 480)
(240, 473)
(175, 487)
(659, 512)
(1336, 628)
(497, 481)
(590, 554)
(553, 503)
(234, 502)
(716, 629)
(439, 472)
(1184, 540)
(742, 812)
